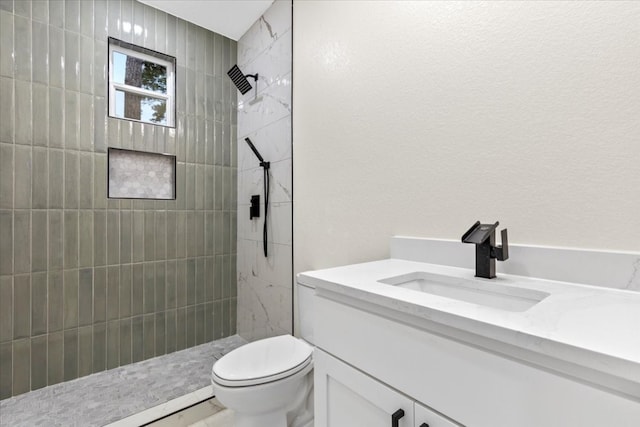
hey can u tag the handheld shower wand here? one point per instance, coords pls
(255, 151)
(265, 167)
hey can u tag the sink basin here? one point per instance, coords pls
(481, 292)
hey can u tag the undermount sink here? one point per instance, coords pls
(481, 292)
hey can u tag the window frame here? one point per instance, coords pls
(147, 55)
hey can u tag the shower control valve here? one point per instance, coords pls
(254, 209)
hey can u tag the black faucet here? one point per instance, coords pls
(484, 237)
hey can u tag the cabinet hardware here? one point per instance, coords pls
(424, 425)
(395, 418)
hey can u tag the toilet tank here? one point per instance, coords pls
(306, 311)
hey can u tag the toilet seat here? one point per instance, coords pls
(262, 362)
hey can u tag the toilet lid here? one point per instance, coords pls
(262, 361)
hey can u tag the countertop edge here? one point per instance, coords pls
(614, 374)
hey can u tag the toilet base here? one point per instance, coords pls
(249, 420)
(283, 403)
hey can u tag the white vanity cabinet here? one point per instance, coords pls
(371, 361)
(425, 417)
(346, 397)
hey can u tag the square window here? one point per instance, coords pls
(141, 84)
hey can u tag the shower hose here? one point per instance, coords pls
(266, 209)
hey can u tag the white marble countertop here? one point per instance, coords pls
(589, 332)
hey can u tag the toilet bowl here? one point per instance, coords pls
(269, 382)
(266, 382)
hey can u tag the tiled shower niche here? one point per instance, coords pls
(141, 175)
(89, 283)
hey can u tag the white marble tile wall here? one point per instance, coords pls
(265, 284)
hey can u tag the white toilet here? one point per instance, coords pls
(269, 383)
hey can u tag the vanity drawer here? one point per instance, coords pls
(425, 417)
(472, 386)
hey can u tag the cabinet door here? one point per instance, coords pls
(346, 397)
(425, 417)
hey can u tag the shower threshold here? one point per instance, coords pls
(187, 410)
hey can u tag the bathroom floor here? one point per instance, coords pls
(110, 396)
(210, 413)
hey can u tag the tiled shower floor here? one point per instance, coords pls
(105, 397)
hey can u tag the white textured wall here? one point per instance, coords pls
(264, 284)
(418, 118)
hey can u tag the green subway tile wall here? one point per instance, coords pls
(87, 283)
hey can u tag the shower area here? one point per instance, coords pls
(100, 271)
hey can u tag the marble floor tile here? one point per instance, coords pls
(106, 397)
(223, 418)
(191, 416)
